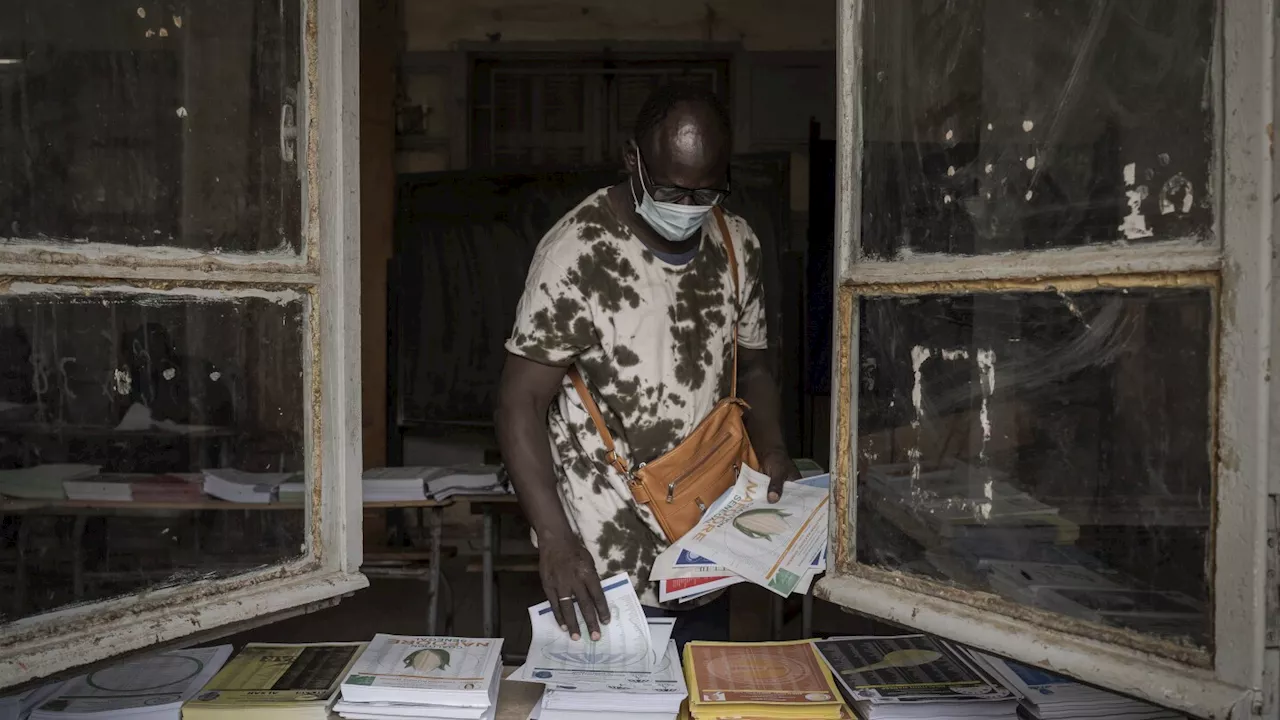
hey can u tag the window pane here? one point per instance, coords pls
(1053, 448)
(1000, 125)
(145, 392)
(149, 123)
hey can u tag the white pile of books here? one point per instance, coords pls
(423, 677)
(446, 482)
(238, 486)
(172, 488)
(1046, 696)
(151, 688)
(268, 681)
(914, 676)
(394, 484)
(631, 673)
(42, 482)
(744, 538)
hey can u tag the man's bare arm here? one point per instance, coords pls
(525, 393)
(764, 420)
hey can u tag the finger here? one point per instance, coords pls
(596, 593)
(775, 489)
(570, 617)
(588, 608)
(553, 600)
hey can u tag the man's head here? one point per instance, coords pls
(679, 156)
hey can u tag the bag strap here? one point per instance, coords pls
(733, 273)
(584, 394)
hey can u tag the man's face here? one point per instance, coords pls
(688, 151)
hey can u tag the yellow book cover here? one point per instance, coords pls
(770, 680)
(267, 674)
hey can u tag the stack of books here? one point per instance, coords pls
(267, 681)
(109, 487)
(42, 482)
(1046, 696)
(760, 680)
(658, 694)
(914, 676)
(446, 482)
(151, 688)
(401, 676)
(395, 484)
(238, 486)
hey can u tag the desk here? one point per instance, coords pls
(516, 699)
(490, 506)
(406, 564)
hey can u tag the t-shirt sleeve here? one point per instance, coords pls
(753, 329)
(553, 320)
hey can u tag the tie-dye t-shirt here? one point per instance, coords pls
(653, 343)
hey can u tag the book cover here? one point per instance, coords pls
(772, 673)
(269, 674)
(426, 663)
(906, 668)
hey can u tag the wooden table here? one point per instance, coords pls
(516, 699)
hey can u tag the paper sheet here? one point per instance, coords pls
(625, 644)
(640, 677)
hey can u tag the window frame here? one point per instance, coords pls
(1221, 683)
(327, 275)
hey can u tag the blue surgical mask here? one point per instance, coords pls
(673, 221)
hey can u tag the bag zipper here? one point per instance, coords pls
(671, 487)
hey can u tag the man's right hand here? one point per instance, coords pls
(568, 574)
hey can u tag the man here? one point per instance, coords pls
(633, 288)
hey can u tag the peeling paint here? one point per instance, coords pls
(123, 381)
(169, 373)
(990, 168)
(1134, 226)
(1028, 126)
(181, 112)
(279, 297)
(1172, 187)
(177, 21)
(215, 376)
(1031, 163)
(142, 12)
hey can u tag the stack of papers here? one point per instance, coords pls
(266, 681)
(744, 538)
(238, 486)
(760, 680)
(293, 492)
(914, 676)
(424, 677)
(1047, 696)
(109, 487)
(446, 482)
(395, 484)
(153, 688)
(19, 706)
(42, 482)
(631, 672)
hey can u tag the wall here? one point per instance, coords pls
(760, 25)
(378, 23)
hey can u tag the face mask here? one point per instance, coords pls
(673, 221)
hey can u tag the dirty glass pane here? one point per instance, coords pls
(1000, 125)
(1052, 448)
(111, 408)
(150, 122)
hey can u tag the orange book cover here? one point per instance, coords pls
(789, 673)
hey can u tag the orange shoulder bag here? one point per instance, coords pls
(678, 487)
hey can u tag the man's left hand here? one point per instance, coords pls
(781, 470)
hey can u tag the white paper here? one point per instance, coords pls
(625, 643)
(772, 545)
(654, 674)
(164, 680)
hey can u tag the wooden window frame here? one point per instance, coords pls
(326, 275)
(1229, 681)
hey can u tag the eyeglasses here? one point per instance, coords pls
(677, 193)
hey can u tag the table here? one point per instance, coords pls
(490, 506)
(392, 564)
(516, 699)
